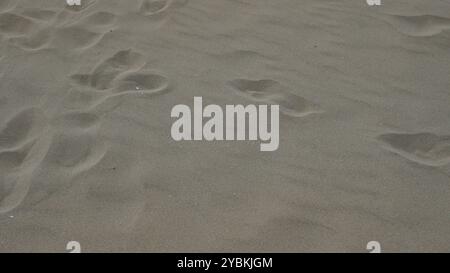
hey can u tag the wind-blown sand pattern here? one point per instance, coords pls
(271, 92)
(85, 147)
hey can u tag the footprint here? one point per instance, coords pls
(104, 74)
(37, 160)
(91, 101)
(101, 21)
(39, 14)
(66, 156)
(142, 83)
(82, 99)
(423, 148)
(15, 25)
(24, 31)
(419, 26)
(82, 34)
(10, 161)
(49, 166)
(112, 79)
(21, 151)
(15, 182)
(121, 62)
(75, 38)
(37, 41)
(76, 120)
(272, 92)
(159, 8)
(85, 33)
(22, 128)
(152, 7)
(77, 151)
(93, 104)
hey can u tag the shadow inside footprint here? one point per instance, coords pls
(142, 83)
(82, 99)
(85, 33)
(22, 128)
(100, 20)
(77, 151)
(424, 148)
(272, 92)
(10, 161)
(76, 120)
(103, 75)
(151, 7)
(76, 37)
(15, 182)
(15, 25)
(37, 41)
(51, 165)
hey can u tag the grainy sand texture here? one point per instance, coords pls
(86, 152)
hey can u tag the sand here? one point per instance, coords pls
(85, 147)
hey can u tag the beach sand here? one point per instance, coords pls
(86, 153)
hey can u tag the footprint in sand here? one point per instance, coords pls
(44, 15)
(82, 100)
(102, 76)
(76, 120)
(19, 155)
(50, 165)
(154, 7)
(272, 92)
(75, 38)
(91, 101)
(74, 151)
(423, 148)
(99, 20)
(13, 25)
(11, 160)
(39, 156)
(117, 76)
(16, 179)
(30, 30)
(419, 26)
(26, 30)
(143, 83)
(85, 33)
(22, 128)
(36, 41)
